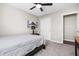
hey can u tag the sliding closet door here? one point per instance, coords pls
(70, 27)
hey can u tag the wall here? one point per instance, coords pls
(14, 21)
(57, 24)
(45, 27)
(56, 27)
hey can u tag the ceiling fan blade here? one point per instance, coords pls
(46, 4)
(37, 3)
(32, 7)
(41, 9)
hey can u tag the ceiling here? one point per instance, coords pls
(47, 9)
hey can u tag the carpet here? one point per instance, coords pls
(57, 49)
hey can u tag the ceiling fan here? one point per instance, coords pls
(39, 5)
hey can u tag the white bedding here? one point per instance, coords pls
(19, 45)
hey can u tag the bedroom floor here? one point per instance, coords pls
(56, 49)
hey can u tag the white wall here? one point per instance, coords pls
(14, 21)
(56, 21)
(57, 24)
(45, 27)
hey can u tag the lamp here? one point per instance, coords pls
(33, 26)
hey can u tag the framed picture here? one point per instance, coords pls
(29, 23)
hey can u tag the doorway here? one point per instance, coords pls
(69, 28)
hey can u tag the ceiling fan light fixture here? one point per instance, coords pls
(38, 6)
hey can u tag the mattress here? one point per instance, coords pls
(19, 45)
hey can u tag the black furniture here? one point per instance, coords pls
(35, 50)
(76, 45)
(36, 34)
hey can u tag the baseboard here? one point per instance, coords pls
(56, 41)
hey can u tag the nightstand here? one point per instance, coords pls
(36, 34)
(76, 44)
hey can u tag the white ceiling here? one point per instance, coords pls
(47, 9)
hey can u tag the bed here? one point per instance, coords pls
(19, 45)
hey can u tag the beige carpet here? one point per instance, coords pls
(56, 49)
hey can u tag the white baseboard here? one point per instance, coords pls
(56, 41)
